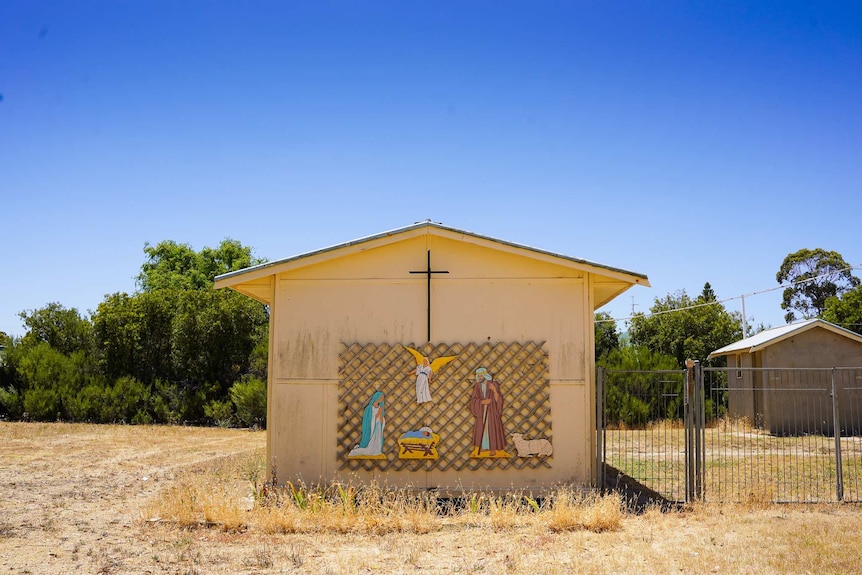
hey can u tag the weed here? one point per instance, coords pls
(512, 560)
(295, 556)
(6, 530)
(108, 566)
(761, 493)
(261, 557)
(346, 496)
(413, 554)
(48, 521)
(728, 424)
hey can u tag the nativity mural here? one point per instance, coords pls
(370, 444)
(459, 406)
(486, 405)
(425, 370)
(421, 444)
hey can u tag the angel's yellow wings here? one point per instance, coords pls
(441, 361)
(435, 364)
(419, 357)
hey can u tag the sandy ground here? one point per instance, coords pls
(71, 501)
(71, 495)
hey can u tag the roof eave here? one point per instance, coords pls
(234, 278)
(802, 328)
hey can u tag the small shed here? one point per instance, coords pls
(780, 378)
(432, 357)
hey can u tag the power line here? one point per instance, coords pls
(742, 297)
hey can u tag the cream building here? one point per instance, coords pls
(507, 331)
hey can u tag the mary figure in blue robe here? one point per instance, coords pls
(373, 422)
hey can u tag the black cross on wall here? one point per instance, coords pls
(428, 271)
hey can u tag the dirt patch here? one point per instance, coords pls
(71, 495)
(73, 500)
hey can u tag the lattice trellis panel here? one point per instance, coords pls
(521, 369)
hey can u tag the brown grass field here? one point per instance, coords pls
(122, 499)
(739, 461)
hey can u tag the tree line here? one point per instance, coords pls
(677, 328)
(174, 351)
(177, 351)
(820, 284)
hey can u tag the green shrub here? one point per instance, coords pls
(87, 405)
(125, 400)
(220, 412)
(50, 380)
(167, 401)
(43, 404)
(249, 397)
(11, 403)
(142, 417)
(632, 398)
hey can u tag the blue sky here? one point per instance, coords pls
(691, 142)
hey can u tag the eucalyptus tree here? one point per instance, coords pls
(814, 277)
(845, 310)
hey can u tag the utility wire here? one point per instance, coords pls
(743, 296)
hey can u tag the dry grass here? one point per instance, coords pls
(728, 424)
(74, 499)
(740, 463)
(225, 497)
(218, 494)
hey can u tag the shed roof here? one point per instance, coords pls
(772, 336)
(247, 280)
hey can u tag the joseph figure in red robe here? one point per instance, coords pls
(486, 405)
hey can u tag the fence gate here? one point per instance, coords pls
(647, 436)
(728, 434)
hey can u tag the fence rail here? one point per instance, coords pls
(719, 434)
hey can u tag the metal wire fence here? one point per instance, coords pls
(718, 434)
(788, 435)
(641, 415)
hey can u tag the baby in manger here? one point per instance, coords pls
(419, 444)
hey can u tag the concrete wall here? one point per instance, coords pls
(740, 384)
(789, 397)
(801, 402)
(816, 347)
(370, 296)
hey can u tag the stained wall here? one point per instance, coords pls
(370, 296)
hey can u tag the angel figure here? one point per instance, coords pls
(424, 371)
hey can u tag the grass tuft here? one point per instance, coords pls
(570, 511)
(229, 496)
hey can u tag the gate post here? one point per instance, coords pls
(700, 429)
(836, 431)
(694, 423)
(688, 392)
(600, 429)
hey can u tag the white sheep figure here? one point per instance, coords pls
(528, 447)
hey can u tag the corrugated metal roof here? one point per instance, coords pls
(770, 336)
(430, 224)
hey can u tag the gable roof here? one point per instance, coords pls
(247, 280)
(772, 336)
